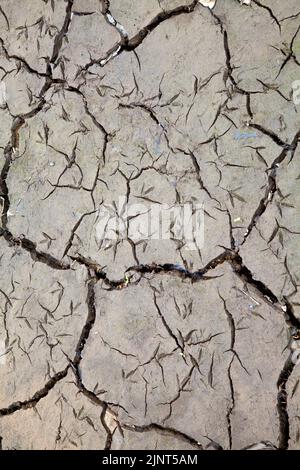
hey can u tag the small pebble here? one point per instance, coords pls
(51, 164)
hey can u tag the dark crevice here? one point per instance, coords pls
(5, 17)
(174, 269)
(271, 134)
(106, 135)
(166, 325)
(199, 178)
(290, 54)
(73, 232)
(74, 364)
(109, 434)
(22, 61)
(232, 327)
(111, 20)
(96, 273)
(231, 406)
(13, 144)
(107, 407)
(36, 255)
(91, 317)
(284, 425)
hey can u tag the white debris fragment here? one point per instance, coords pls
(208, 3)
(51, 163)
(245, 2)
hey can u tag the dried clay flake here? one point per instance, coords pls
(211, 3)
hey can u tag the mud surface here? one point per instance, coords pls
(146, 344)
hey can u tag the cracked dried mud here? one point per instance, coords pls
(147, 344)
